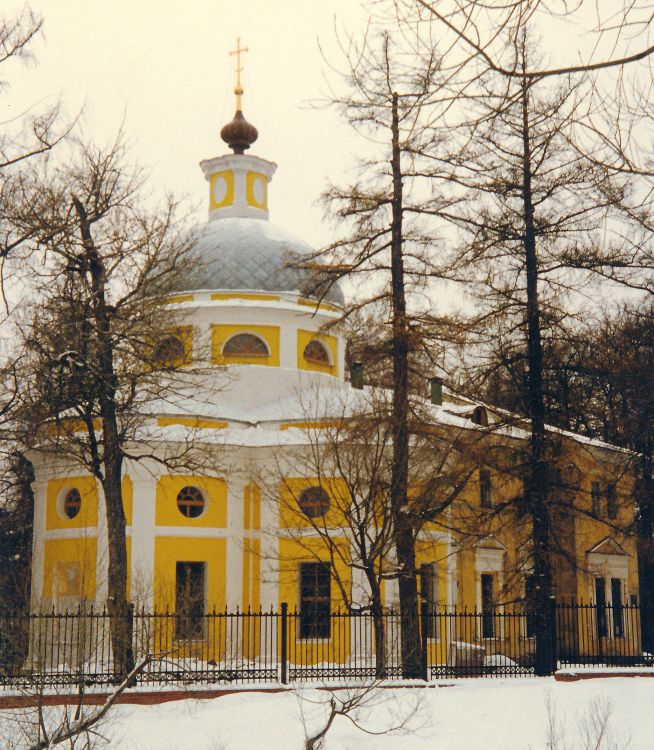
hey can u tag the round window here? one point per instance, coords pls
(314, 502)
(190, 502)
(72, 503)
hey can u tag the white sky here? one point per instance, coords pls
(163, 67)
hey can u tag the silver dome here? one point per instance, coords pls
(253, 255)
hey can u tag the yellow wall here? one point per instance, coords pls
(317, 305)
(251, 573)
(251, 180)
(228, 177)
(221, 333)
(178, 299)
(251, 507)
(215, 493)
(195, 423)
(168, 551)
(290, 515)
(57, 553)
(303, 338)
(88, 514)
(128, 499)
(291, 553)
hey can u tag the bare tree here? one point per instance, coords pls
(531, 195)
(34, 135)
(357, 705)
(390, 101)
(101, 345)
(348, 448)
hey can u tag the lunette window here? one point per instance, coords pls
(245, 345)
(316, 352)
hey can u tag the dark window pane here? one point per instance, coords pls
(485, 489)
(616, 604)
(611, 502)
(168, 351)
(315, 600)
(190, 600)
(429, 594)
(487, 605)
(600, 604)
(530, 592)
(595, 498)
(190, 502)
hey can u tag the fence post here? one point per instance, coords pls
(284, 637)
(554, 635)
(424, 630)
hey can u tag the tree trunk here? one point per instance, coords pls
(537, 475)
(645, 530)
(112, 460)
(403, 527)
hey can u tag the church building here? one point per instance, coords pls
(264, 360)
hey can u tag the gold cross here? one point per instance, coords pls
(239, 68)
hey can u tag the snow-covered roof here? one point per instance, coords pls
(245, 253)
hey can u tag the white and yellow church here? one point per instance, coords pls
(248, 322)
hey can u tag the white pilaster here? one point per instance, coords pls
(102, 561)
(142, 530)
(234, 562)
(38, 543)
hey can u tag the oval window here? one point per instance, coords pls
(314, 502)
(190, 502)
(72, 503)
(245, 345)
(315, 351)
(170, 349)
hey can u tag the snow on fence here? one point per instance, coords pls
(74, 648)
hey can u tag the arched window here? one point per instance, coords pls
(314, 502)
(72, 503)
(480, 416)
(169, 349)
(190, 502)
(245, 345)
(316, 352)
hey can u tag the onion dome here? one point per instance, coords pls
(239, 134)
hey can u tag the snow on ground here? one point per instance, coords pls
(490, 714)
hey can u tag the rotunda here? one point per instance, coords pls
(254, 337)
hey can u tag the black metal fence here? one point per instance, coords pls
(59, 649)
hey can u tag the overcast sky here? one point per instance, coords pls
(163, 67)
